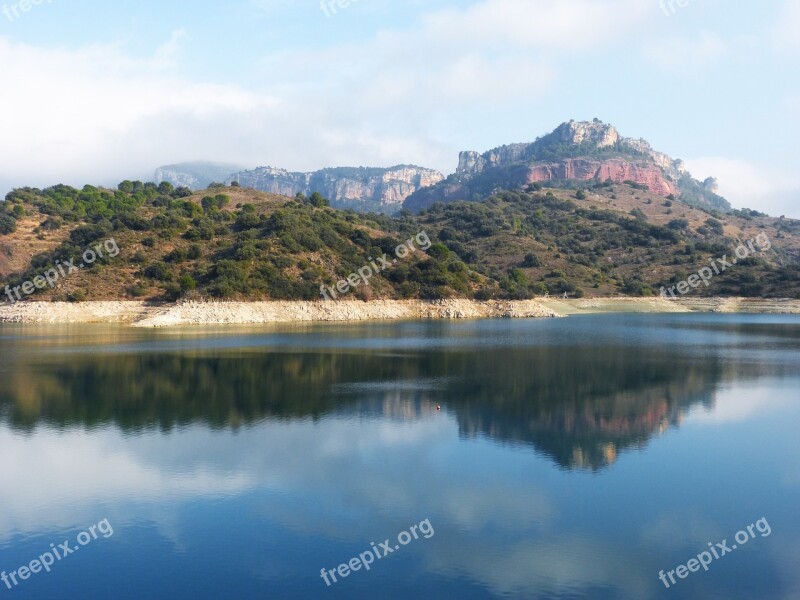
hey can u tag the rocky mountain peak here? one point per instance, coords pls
(574, 152)
(594, 133)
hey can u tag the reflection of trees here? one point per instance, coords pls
(170, 390)
(579, 405)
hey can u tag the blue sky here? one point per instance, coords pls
(98, 92)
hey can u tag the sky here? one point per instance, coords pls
(97, 92)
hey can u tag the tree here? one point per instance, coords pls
(317, 200)
(166, 188)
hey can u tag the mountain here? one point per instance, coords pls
(363, 189)
(195, 175)
(574, 154)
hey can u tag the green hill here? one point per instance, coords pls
(235, 243)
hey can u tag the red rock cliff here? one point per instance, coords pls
(618, 170)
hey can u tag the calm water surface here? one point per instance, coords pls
(571, 458)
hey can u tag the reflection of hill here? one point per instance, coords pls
(580, 406)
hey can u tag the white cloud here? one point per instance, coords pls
(99, 114)
(746, 184)
(75, 114)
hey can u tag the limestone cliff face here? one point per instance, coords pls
(471, 163)
(596, 133)
(380, 187)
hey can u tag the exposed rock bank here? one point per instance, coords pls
(141, 314)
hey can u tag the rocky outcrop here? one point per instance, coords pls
(373, 186)
(596, 134)
(575, 151)
(617, 170)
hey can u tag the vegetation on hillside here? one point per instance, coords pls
(234, 243)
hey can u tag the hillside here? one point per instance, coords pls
(237, 243)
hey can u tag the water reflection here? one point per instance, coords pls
(290, 453)
(580, 404)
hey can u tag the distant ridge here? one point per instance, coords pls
(362, 188)
(195, 175)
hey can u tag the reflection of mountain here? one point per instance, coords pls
(583, 407)
(579, 405)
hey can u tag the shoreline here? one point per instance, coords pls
(143, 314)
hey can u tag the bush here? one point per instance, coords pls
(187, 283)
(439, 252)
(678, 224)
(715, 226)
(531, 261)
(8, 224)
(137, 290)
(159, 271)
(247, 220)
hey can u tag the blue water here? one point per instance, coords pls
(569, 458)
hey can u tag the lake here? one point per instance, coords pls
(585, 457)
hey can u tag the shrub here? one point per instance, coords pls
(8, 224)
(187, 283)
(159, 271)
(531, 261)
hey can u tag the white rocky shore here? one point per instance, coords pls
(142, 314)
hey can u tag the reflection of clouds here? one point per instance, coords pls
(53, 479)
(675, 530)
(336, 479)
(736, 405)
(570, 567)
